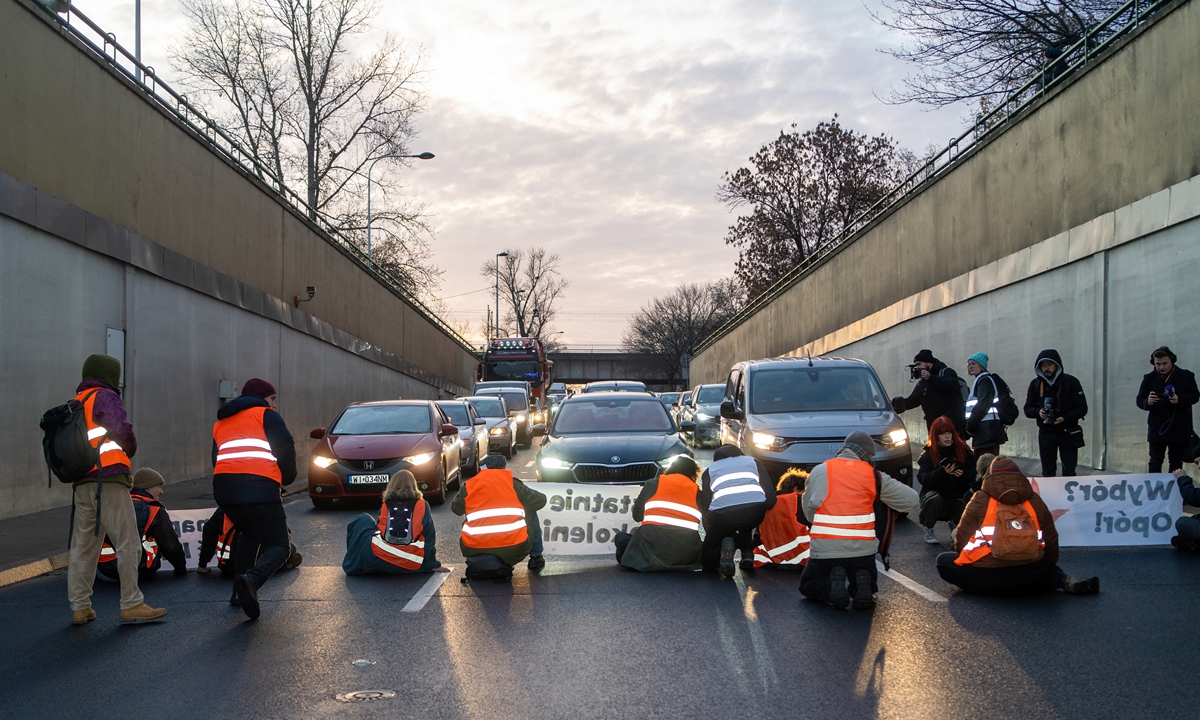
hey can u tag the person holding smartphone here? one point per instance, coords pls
(946, 471)
(1167, 394)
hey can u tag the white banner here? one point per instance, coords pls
(189, 526)
(1098, 510)
(583, 519)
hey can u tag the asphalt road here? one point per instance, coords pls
(587, 640)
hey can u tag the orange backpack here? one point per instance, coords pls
(1017, 536)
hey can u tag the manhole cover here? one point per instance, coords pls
(365, 695)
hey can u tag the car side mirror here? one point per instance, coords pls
(545, 441)
(448, 430)
(687, 426)
(480, 421)
(317, 434)
(729, 411)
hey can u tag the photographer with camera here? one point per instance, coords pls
(939, 392)
(1167, 394)
(1055, 399)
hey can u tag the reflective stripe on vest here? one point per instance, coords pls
(980, 544)
(149, 546)
(784, 538)
(495, 516)
(110, 453)
(410, 556)
(848, 510)
(242, 446)
(674, 503)
(993, 412)
(225, 542)
(734, 481)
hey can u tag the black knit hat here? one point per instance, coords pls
(925, 355)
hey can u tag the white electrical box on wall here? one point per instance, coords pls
(225, 389)
(114, 347)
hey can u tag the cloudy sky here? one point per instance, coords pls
(600, 130)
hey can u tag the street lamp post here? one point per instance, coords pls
(496, 319)
(422, 156)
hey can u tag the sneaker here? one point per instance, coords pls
(1075, 586)
(536, 562)
(726, 566)
(930, 537)
(293, 561)
(863, 597)
(248, 594)
(83, 617)
(839, 594)
(234, 600)
(142, 613)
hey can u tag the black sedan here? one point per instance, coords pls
(609, 438)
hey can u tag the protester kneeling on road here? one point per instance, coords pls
(938, 392)
(840, 503)
(1006, 543)
(669, 535)
(1056, 400)
(1187, 527)
(501, 516)
(782, 536)
(157, 534)
(984, 425)
(946, 471)
(735, 494)
(1167, 395)
(219, 539)
(401, 541)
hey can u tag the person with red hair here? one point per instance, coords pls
(946, 471)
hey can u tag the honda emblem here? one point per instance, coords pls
(368, 465)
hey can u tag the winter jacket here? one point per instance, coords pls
(530, 499)
(109, 413)
(659, 548)
(360, 559)
(990, 432)
(893, 493)
(940, 395)
(1066, 391)
(244, 488)
(1011, 488)
(704, 498)
(160, 531)
(1169, 423)
(1189, 492)
(937, 479)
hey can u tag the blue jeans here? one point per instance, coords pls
(535, 532)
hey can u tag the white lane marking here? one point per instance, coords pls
(911, 584)
(428, 590)
(529, 464)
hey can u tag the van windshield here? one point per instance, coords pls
(805, 389)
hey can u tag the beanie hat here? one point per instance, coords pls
(259, 387)
(860, 444)
(981, 358)
(103, 368)
(147, 478)
(727, 451)
(1004, 464)
(925, 355)
(494, 461)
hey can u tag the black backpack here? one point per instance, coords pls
(399, 525)
(1007, 407)
(488, 567)
(69, 454)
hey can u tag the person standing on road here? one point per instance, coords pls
(158, 538)
(254, 457)
(400, 541)
(501, 516)
(839, 503)
(1167, 394)
(106, 509)
(735, 494)
(938, 392)
(1056, 400)
(983, 408)
(669, 535)
(1006, 543)
(783, 537)
(946, 471)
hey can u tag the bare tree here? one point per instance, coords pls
(284, 77)
(800, 191)
(531, 287)
(671, 326)
(978, 49)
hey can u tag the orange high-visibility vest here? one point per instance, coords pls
(674, 503)
(410, 556)
(225, 542)
(110, 452)
(980, 544)
(242, 446)
(848, 510)
(784, 538)
(495, 516)
(149, 546)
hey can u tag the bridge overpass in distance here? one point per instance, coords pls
(582, 365)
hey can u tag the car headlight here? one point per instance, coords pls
(421, 459)
(553, 463)
(894, 439)
(766, 441)
(666, 462)
(323, 462)
(498, 430)
(703, 416)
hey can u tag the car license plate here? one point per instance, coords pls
(368, 479)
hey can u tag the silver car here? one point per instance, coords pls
(472, 433)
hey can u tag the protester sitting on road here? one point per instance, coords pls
(157, 534)
(669, 535)
(1187, 527)
(782, 536)
(839, 502)
(937, 393)
(983, 466)
(401, 541)
(986, 429)
(1006, 542)
(1056, 400)
(946, 471)
(495, 503)
(1167, 394)
(219, 539)
(735, 494)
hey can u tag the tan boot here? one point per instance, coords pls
(142, 613)
(83, 617)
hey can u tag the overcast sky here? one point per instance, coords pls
(600, 130)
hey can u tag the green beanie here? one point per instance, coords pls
(104, 369)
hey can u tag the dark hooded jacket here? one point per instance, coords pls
(1169, 423)
(986, 433)
(659, 548)
(940, 395)
(1010, 488)
(935, 478)
(247, 489)
(1065, 390)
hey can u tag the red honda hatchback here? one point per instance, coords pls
(369, 442)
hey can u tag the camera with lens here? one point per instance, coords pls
(914, 372)
(1050, 407)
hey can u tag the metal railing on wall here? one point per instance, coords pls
(1095, 40)
(105, 47)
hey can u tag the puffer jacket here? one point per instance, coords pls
(1010, 488)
